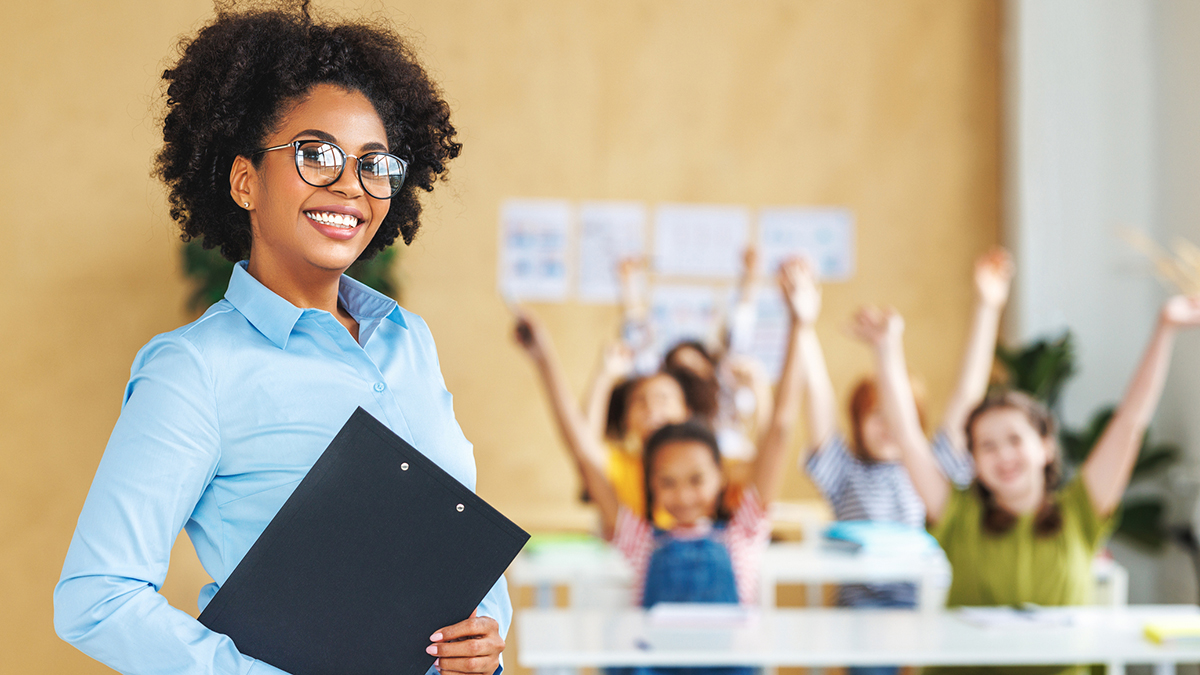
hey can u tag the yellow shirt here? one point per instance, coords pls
(624, 471)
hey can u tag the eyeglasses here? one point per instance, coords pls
(320, 164)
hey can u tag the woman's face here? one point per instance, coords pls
(1010, 456)
(685, 481)
(298, 229)
(655, 402)
(877, 439)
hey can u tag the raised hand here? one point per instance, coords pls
(529, 333)
(617, 360)
(1181, 311)
(876, 326)
(801, 290)
(993, 277)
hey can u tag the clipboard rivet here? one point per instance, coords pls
(460, 508)
(404, 466)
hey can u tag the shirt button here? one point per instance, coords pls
(379, 386)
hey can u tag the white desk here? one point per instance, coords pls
(598, 577)
(827, 637)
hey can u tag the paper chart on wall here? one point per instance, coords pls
(534, 235)
(823, 235)
(609, 232)
(682, 312)
(768, 340)
(700, 240)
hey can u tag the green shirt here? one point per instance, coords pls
(1019, 566)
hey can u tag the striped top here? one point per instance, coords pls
(746, 537)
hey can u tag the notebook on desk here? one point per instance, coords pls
(377, 548)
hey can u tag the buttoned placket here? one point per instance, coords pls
(373, 379)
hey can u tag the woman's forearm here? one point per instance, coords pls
(819, 403)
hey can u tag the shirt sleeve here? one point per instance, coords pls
(956, 463)
(1077, 505)
(828, 466)
(161, 455)
(956, 505)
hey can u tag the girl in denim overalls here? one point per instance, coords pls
(710, 554)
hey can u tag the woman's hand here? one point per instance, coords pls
(470, 647)
(801, 290)
(993, 277)
(877, 327)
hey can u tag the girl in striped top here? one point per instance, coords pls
(865, 480)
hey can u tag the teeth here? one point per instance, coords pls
(339, 220)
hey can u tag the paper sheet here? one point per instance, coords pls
(609, 232)
(683, 312)
(768, 342)
(824, 235)
(534, 235)
(700, 240)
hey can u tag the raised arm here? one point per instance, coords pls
(616, 362)
(993, 278)
(1107, 469)
(795, 278)
(819, 400)
(739, 330)
(883, 330)
(585, 448)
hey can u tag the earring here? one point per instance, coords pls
(246, 204)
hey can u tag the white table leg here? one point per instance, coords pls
(1164, 668)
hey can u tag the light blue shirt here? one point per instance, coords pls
(221, 420)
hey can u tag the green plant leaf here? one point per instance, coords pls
(1142, 522)
(209, 273)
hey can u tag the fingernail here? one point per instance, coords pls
(431, 649)
(437, 663)
(436, 637)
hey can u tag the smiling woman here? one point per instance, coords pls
(296, 147)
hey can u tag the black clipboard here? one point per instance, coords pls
(377, 548)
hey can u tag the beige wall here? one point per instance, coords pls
(888, 108)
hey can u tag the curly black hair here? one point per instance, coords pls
(239, 75)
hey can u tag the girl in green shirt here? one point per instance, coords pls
(1018, 534)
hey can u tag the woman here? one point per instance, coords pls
(297, 147)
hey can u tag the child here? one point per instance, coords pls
(866, 481)
(710, 555)
(723, 383)
(1015, 536)
(648, 403)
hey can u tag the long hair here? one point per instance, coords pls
(701, 392)
(996, 519)
(692, 430)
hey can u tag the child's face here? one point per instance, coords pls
(686, 481)
(653, 403)
(877, 439)
(1010, 455)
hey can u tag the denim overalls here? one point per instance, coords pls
(690, 570)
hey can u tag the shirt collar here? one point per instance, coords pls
(275, 317)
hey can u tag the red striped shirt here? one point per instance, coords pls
(745, 537)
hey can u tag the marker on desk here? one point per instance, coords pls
(642, 644)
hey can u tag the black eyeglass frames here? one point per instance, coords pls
(321, 163)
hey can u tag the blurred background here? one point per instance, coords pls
(944, 126)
